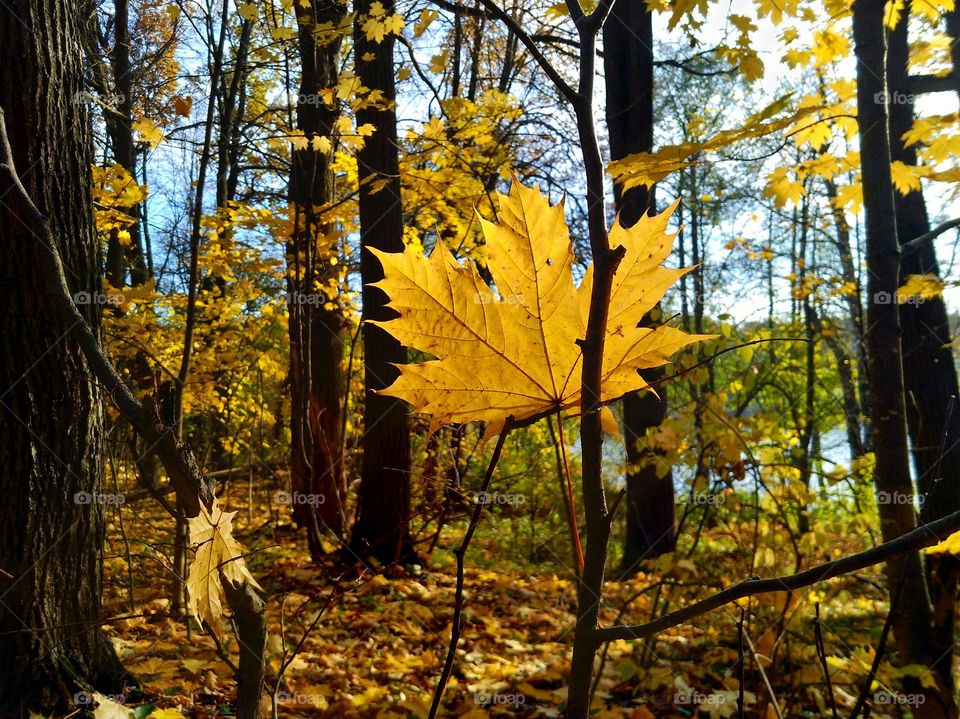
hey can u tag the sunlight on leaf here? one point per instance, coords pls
(514, 353)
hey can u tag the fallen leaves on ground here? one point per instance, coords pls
(378, 643)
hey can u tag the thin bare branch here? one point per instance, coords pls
(921, 537)
(563, 86)
(918, 242)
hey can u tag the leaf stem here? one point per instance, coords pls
(571, 505)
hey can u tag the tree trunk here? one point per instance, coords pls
(316, 323)
(383, 510)
(855, 399)
(951, 20)
(52, 518)
(912, 618)
(933, 419)
(628, 65)
(120, 257)
(233, 89)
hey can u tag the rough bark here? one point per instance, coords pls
(194, 490)
(383, 511)
(51, 536)
(317, 324)
(930, 378)
(912, 620)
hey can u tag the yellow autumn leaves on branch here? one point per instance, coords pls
(513, 353)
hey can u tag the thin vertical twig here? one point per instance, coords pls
(740, 667)
(461, 553)
(763, 676)
(881, 647)
(822, 654)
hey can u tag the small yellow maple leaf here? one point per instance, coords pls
(782, 187)
(438, 63)
(828, 46)
(283, 33)
(850, 197)
(906, 178)
(513, 353)
(148, 131)
(320, 143)
(776, 9)
(918, 288)
(892, 11)
(817, 133)
(751, 66)
(217, 553)
(379, 24)
(247, 10)
(427, 17)
(394, 23)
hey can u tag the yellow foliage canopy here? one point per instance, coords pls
(514, 353)
(648, 168)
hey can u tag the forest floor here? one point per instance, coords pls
(349, 643)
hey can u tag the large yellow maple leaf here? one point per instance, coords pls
(514, 353)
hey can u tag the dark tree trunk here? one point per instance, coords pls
(952, 23)
(383, 510)
(316, 322)
(120, 257)
(855, 393)
(233, 89)
(127, 263)
(933, 417)
(52, 519)
(913, 616)
(628, 65)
